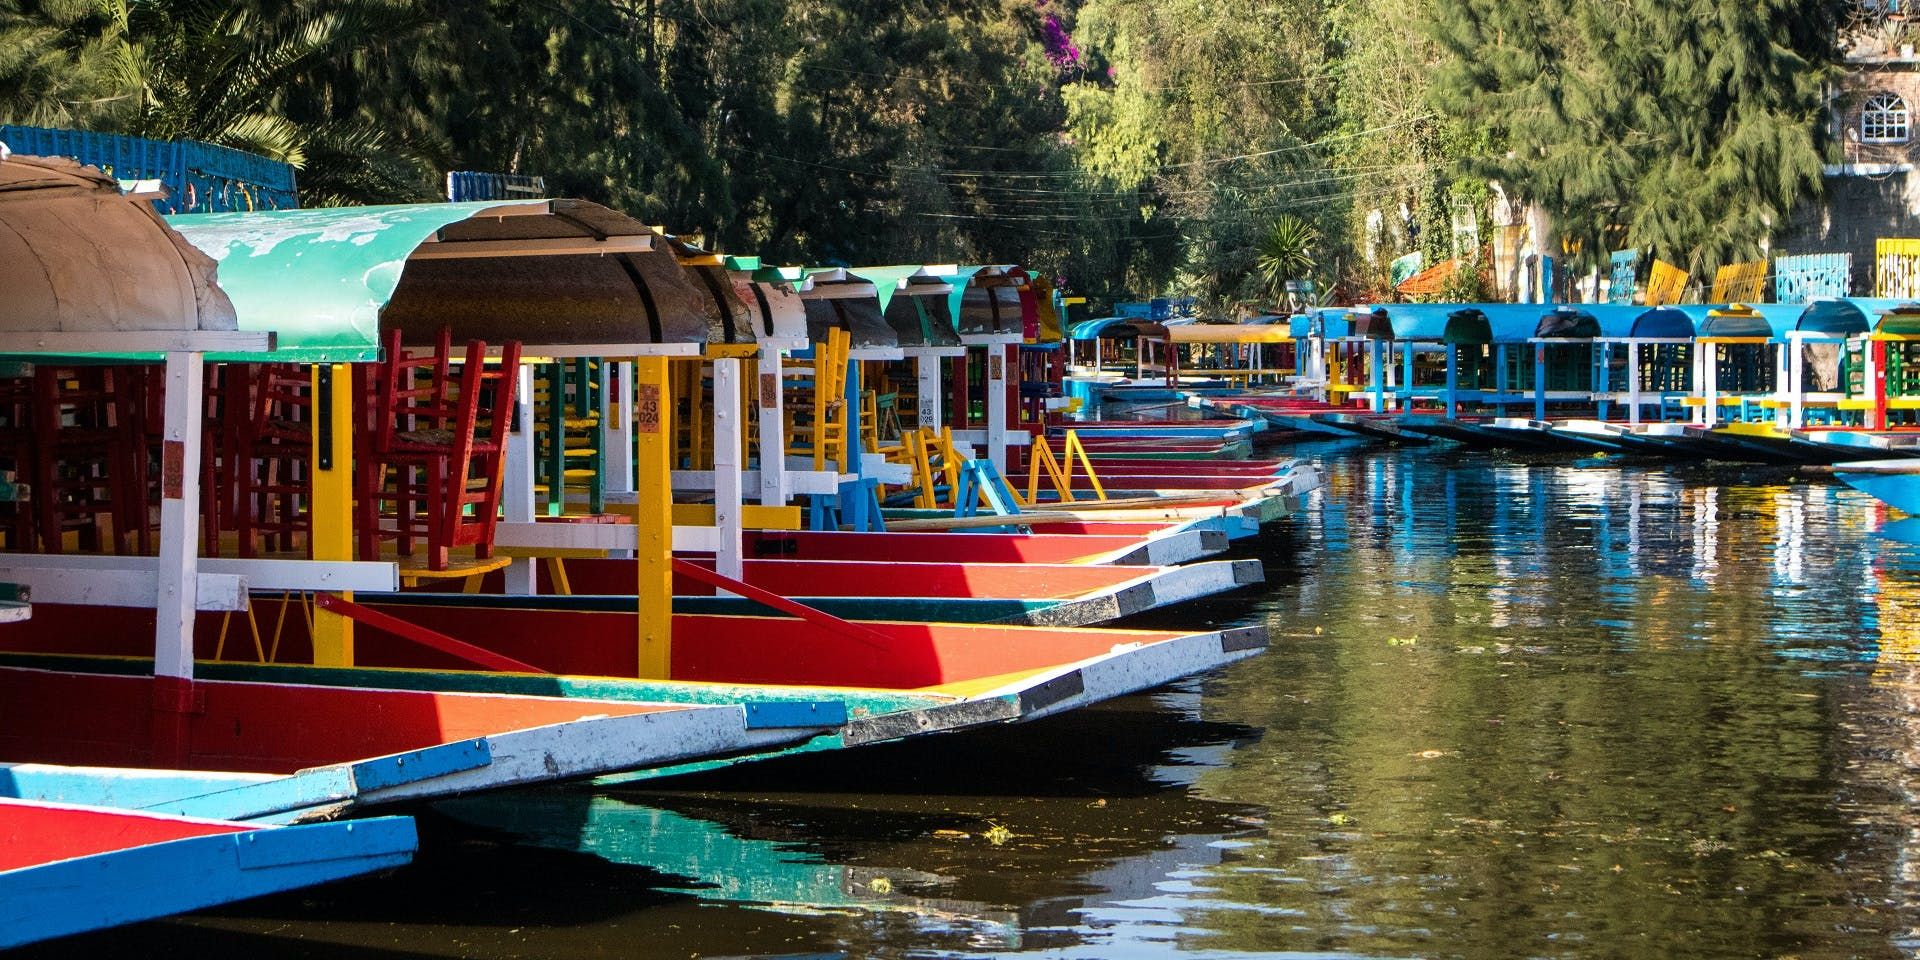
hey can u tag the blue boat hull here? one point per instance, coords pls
(1900, 491)
(154, 880)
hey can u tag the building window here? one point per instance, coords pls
(1884, 119)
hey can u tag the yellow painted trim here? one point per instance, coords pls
(414, 572)
(331, 530)
(752, 515)
(741, 351)
(543, 553)
(1225, 334)
(968, 689)
(1751, 430)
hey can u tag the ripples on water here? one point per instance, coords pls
(1539, 708)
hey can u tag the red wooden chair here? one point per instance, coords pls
(88, 457)
(436, 447)
(272, 459)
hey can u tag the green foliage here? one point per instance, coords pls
(1690, 130)
(863, 130)
(54, 63)
(1288, 252)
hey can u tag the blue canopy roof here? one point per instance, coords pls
(1750, 320)
(1844, 316)
(1506, 322)
(1331, 323)
(1902, 320)
(1095, 329)
(1670, 322)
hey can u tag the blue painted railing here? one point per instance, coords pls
(200, 177)
(471, 185)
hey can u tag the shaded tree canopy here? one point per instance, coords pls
(1136, 147)
(1690, 130)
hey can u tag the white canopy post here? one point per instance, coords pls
(997, 404)
(178, 603)
(927, 366)
(616, 413)
(773, 426)
(1633, 383)
(1795, 382)
(1710, 384)
(1872, 385)
(728, 438)
(516, 485)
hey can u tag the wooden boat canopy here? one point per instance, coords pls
(1902, 320)
(740, 310)
(1738, 321)
(1374, 324)
(772, 296)
(996, 306)
(563, 277)
(1453, 323)
(922, 315)
(1851, 316)
(1664, 323)
(1468, 327)
(1567, 323)
(855, 299)
(1228, 333)
(90, 269)
(1117, 328)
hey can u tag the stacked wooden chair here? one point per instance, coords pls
(433, 448)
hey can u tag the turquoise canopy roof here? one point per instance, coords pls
(1662, 323)
(1504, 322)
(327, 281)
(1844, 317)
(1106, 326)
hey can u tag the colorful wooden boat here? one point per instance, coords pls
(1284, 412)
(348, 749)
(1379, 426)
(1841, 444)
(440, 272)
(1222, 430)
(67, 869)
(896, 680)
(1011, 593)
(1159, 544)
(1893, 482)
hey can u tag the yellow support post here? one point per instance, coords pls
(1074, 448)
(331, 529)
(653, 518)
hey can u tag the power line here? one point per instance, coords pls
(1027, 85)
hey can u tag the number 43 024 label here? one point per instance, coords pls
(646, 408)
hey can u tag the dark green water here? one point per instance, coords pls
(1512, 709)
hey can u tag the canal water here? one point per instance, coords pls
(1514, 707)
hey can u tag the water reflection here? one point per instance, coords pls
(1514, 707)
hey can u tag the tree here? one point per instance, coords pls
(1287, 253)
(58, 64)
(1690, 130)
